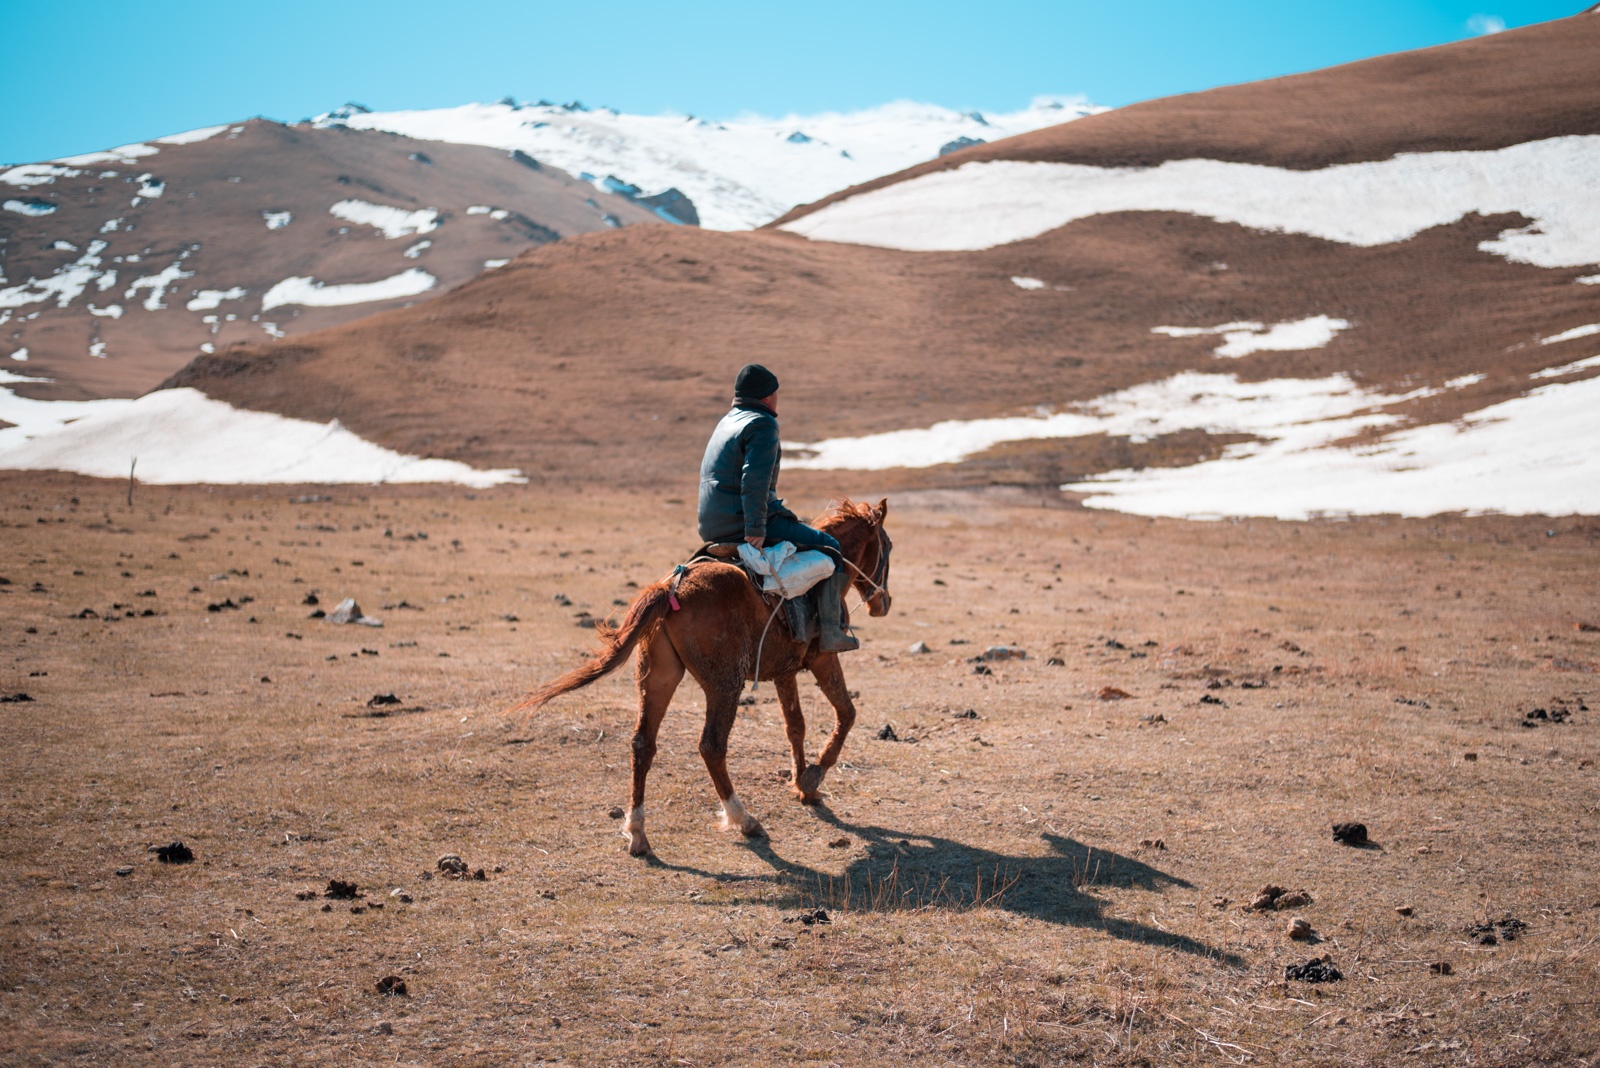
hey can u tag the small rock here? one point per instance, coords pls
(452, 864)
(616, 812)
(1055, 661)
(175, 853)
(886, 733)
(1354, 834)
(971, 713)
(340, 890)
(126, 869)
(379, 700)
(1405, 910)
(347, 611)
(1005, 652)
(1469, 756)
(919, 647)
(1440, 967)
(1152, 843)
(982, 669)
(1294, 899)
(1300, 930)
(14, 698)
(840, 843)
(1111, 693)
(393, 986)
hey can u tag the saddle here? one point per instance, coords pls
(799, 613)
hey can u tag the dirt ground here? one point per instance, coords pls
(1031, 874)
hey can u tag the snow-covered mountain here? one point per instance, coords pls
(739, 173)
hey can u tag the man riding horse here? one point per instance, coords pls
(707, 619)
(739, 494)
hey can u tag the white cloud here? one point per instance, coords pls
(1483, 25)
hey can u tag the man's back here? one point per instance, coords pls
(739, 474)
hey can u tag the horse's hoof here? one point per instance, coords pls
(808, 799)
(638, 845)
(810, 781)
(752, 828)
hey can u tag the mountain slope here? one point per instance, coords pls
(1179, 357)
(1476, 95)
(118, 267)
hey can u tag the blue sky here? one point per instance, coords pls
(94, 74)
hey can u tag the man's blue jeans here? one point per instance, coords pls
(785, 528)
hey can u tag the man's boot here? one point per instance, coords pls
(830, 608)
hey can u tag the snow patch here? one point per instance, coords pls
(32, 174)
(1568, 335)
(206, 299)
(1535, 454)
(1026, 283)
(21, 356)
(277, 220)
(1243, 338)
(65, 285)
(124, 154)
(1288, 409)
(157, 284)
(1589, 280)
(983, 204)
(189, 137)
(97, 349)
(35, 208)
(490, 265)
(1567, 368)
(150, 185)
(110, 225)
(391, 222)
(418, 249)
(183, 436)
(110, 311)
(314, 294)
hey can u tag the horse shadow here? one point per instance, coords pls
(900, 871)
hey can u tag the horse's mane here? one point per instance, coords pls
(844, 507)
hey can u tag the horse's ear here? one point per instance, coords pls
(883, 509)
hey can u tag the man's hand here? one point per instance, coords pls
(755, 540)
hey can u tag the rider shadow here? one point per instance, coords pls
(903, 871)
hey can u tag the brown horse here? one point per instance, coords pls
(715, 636)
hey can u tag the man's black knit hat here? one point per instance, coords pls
(754, 382)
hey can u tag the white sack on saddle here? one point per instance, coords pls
(785, 569)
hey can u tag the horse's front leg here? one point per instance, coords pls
(830, 680)
(794, 722)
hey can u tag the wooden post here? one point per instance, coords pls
(131, 466)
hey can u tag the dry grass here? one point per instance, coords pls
(993, 903)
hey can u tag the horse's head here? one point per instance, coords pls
(866, 545)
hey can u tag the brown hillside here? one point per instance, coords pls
(1485, 93)
(606, 358)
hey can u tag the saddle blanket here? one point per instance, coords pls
(785, 569)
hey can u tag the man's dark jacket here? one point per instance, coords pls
(739, 475)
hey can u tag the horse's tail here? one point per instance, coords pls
(645, 614)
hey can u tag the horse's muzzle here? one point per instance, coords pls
(879, 603)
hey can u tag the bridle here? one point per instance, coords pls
(879, 580)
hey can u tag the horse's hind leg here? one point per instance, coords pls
(722, 705)
(806, 779)
(658, 671)
(830, 680)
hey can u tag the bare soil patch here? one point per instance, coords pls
(1026, 875)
